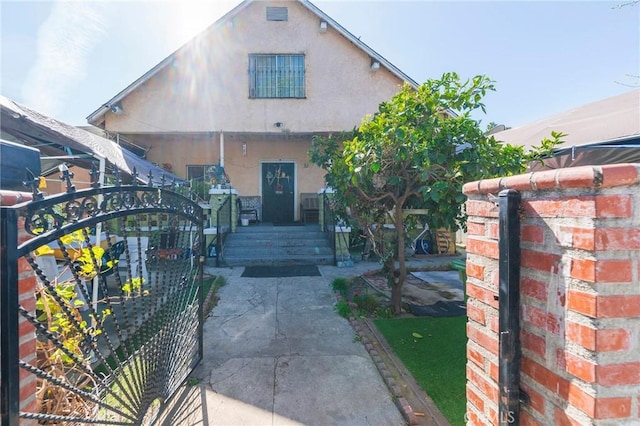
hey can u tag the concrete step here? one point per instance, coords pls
(263, 236)
(293, 234)
(265, 244)
(275, 243)
(278, 261)
(269, 227)
(276, 251)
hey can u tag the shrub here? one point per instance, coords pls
(367, 304)
(340, 285)
(343, 309)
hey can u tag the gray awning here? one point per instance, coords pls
(54, 138)
(608, 120)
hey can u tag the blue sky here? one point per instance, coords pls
(65, 59)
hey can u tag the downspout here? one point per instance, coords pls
(221, 149)
(509, 308)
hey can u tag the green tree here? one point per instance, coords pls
(415, 152)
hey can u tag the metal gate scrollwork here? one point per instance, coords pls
(101, 304)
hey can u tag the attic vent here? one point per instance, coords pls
(277, 14)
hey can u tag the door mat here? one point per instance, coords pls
(281, 271)
(439, 309)
(290, 224)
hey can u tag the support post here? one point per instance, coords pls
(9, 344)
(509, 308)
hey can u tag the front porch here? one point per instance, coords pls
(269, 244)
(235, 234)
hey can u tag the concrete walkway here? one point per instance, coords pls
(276, 353)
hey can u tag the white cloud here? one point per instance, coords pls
(65, 40)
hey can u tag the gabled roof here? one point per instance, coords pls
(55, 138)
(606, 121)
(97, 115)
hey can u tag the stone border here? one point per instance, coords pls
(414, 404)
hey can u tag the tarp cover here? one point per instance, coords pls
(606, 120)
(602, 132)
(50, 136)
(598, 154)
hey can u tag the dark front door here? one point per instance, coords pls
(278, 182)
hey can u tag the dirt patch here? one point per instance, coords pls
(415, 292)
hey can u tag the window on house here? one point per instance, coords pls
(195, 172)
(276, 76)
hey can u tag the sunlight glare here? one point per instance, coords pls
(190, 17)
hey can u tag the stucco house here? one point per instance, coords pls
(249, 93)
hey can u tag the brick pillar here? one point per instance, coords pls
(580, 296)
(26, 298)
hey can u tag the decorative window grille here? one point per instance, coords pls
(276, 76)
(277, 14)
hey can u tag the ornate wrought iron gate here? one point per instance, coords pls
(100, 304)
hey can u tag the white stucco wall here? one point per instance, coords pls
(207, 87)
(243, 168)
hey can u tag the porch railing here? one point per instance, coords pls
(224, 222)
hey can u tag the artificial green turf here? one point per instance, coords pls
(436, 360)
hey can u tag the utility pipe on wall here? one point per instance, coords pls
(221, 149)
(101, 170)
(509, 308)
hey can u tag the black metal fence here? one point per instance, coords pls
(100, 304)
(223, 227)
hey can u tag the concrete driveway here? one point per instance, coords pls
(276, 353)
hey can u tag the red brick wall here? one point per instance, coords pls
(580, 296)
(26, 285)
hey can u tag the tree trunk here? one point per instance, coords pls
(396, 287)
(398, 281)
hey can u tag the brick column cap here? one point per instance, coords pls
(11, 198)
(573, 177)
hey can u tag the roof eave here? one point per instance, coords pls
(95, 117)
(355, 40)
